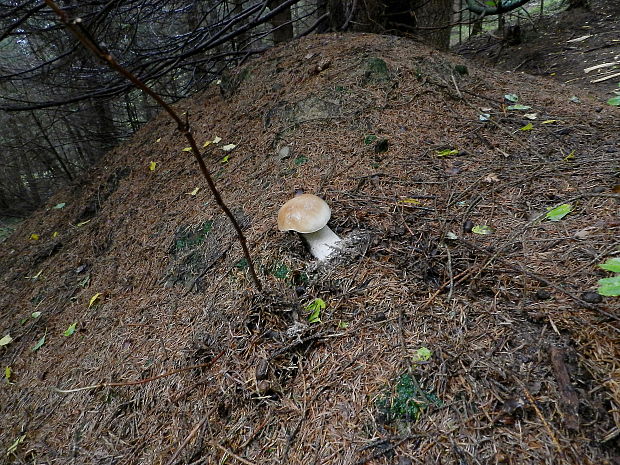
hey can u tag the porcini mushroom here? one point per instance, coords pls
(308, 215)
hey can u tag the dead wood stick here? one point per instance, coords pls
(606, 78)
(569, 403)
(140, 381)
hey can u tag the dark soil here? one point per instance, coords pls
(180, 359)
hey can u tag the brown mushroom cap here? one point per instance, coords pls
(305, 213)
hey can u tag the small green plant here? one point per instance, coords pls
(610, 286)
(406, 400)
(281, 271)
(315, 308)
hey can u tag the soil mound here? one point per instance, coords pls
(436, 344)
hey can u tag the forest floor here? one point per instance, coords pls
(461, 325)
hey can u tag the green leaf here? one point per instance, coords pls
(39, 344)
(59, 206)
(557, 213)
(369, 139)
(70, 330)
(315, 307)
(35, 315)
(615, 101)
(225, 159)
(13, 447)
(300, 160)
(609, 286)
(7, 373)
(482, 229)
(612, 264)
(6, 340)
(518, 106)
(514, 98)
(422, 354)
(447, 152)
(527, 127)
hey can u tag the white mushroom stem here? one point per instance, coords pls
(322, 242)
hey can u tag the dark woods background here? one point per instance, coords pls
(61, 109)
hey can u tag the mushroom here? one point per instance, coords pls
(308, 215)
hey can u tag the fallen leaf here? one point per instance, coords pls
(518, 106)
(7, 373)
(491, 178)
(153, 165)
(422, 354)
(225, 159)
(157, 140)
(557, 213)
(531, 116)
(93, 299)
(39, 344)
(6, 340)
(512, 97)
(612, 264)
(35, 237)
(187, 149)
(570, 156)
(527, 127)
(550, 121)
(585, 232)
(58, 206)
(82, 223)
(411, 201)
(609, 286)
(54, 234)
(70, 330)
(217, 140)
(35, 315)
(615, 101)
(447, 152)
(228, 147)
(482, 229)
(13, 447)
(194, 192)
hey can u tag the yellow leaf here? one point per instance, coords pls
(207, 143)
(187, 149)
(35, 237)
(158, 140)
(55, 234)
(194, 192)
(7, 373)
(527, 127)
(82, 223)
(550, 121)
(570, 156)
(94, 299)
(411, 201)
(153, 165)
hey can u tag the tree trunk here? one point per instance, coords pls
(432, 18)
(282, 23)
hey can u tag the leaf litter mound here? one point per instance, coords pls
(436, 344)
